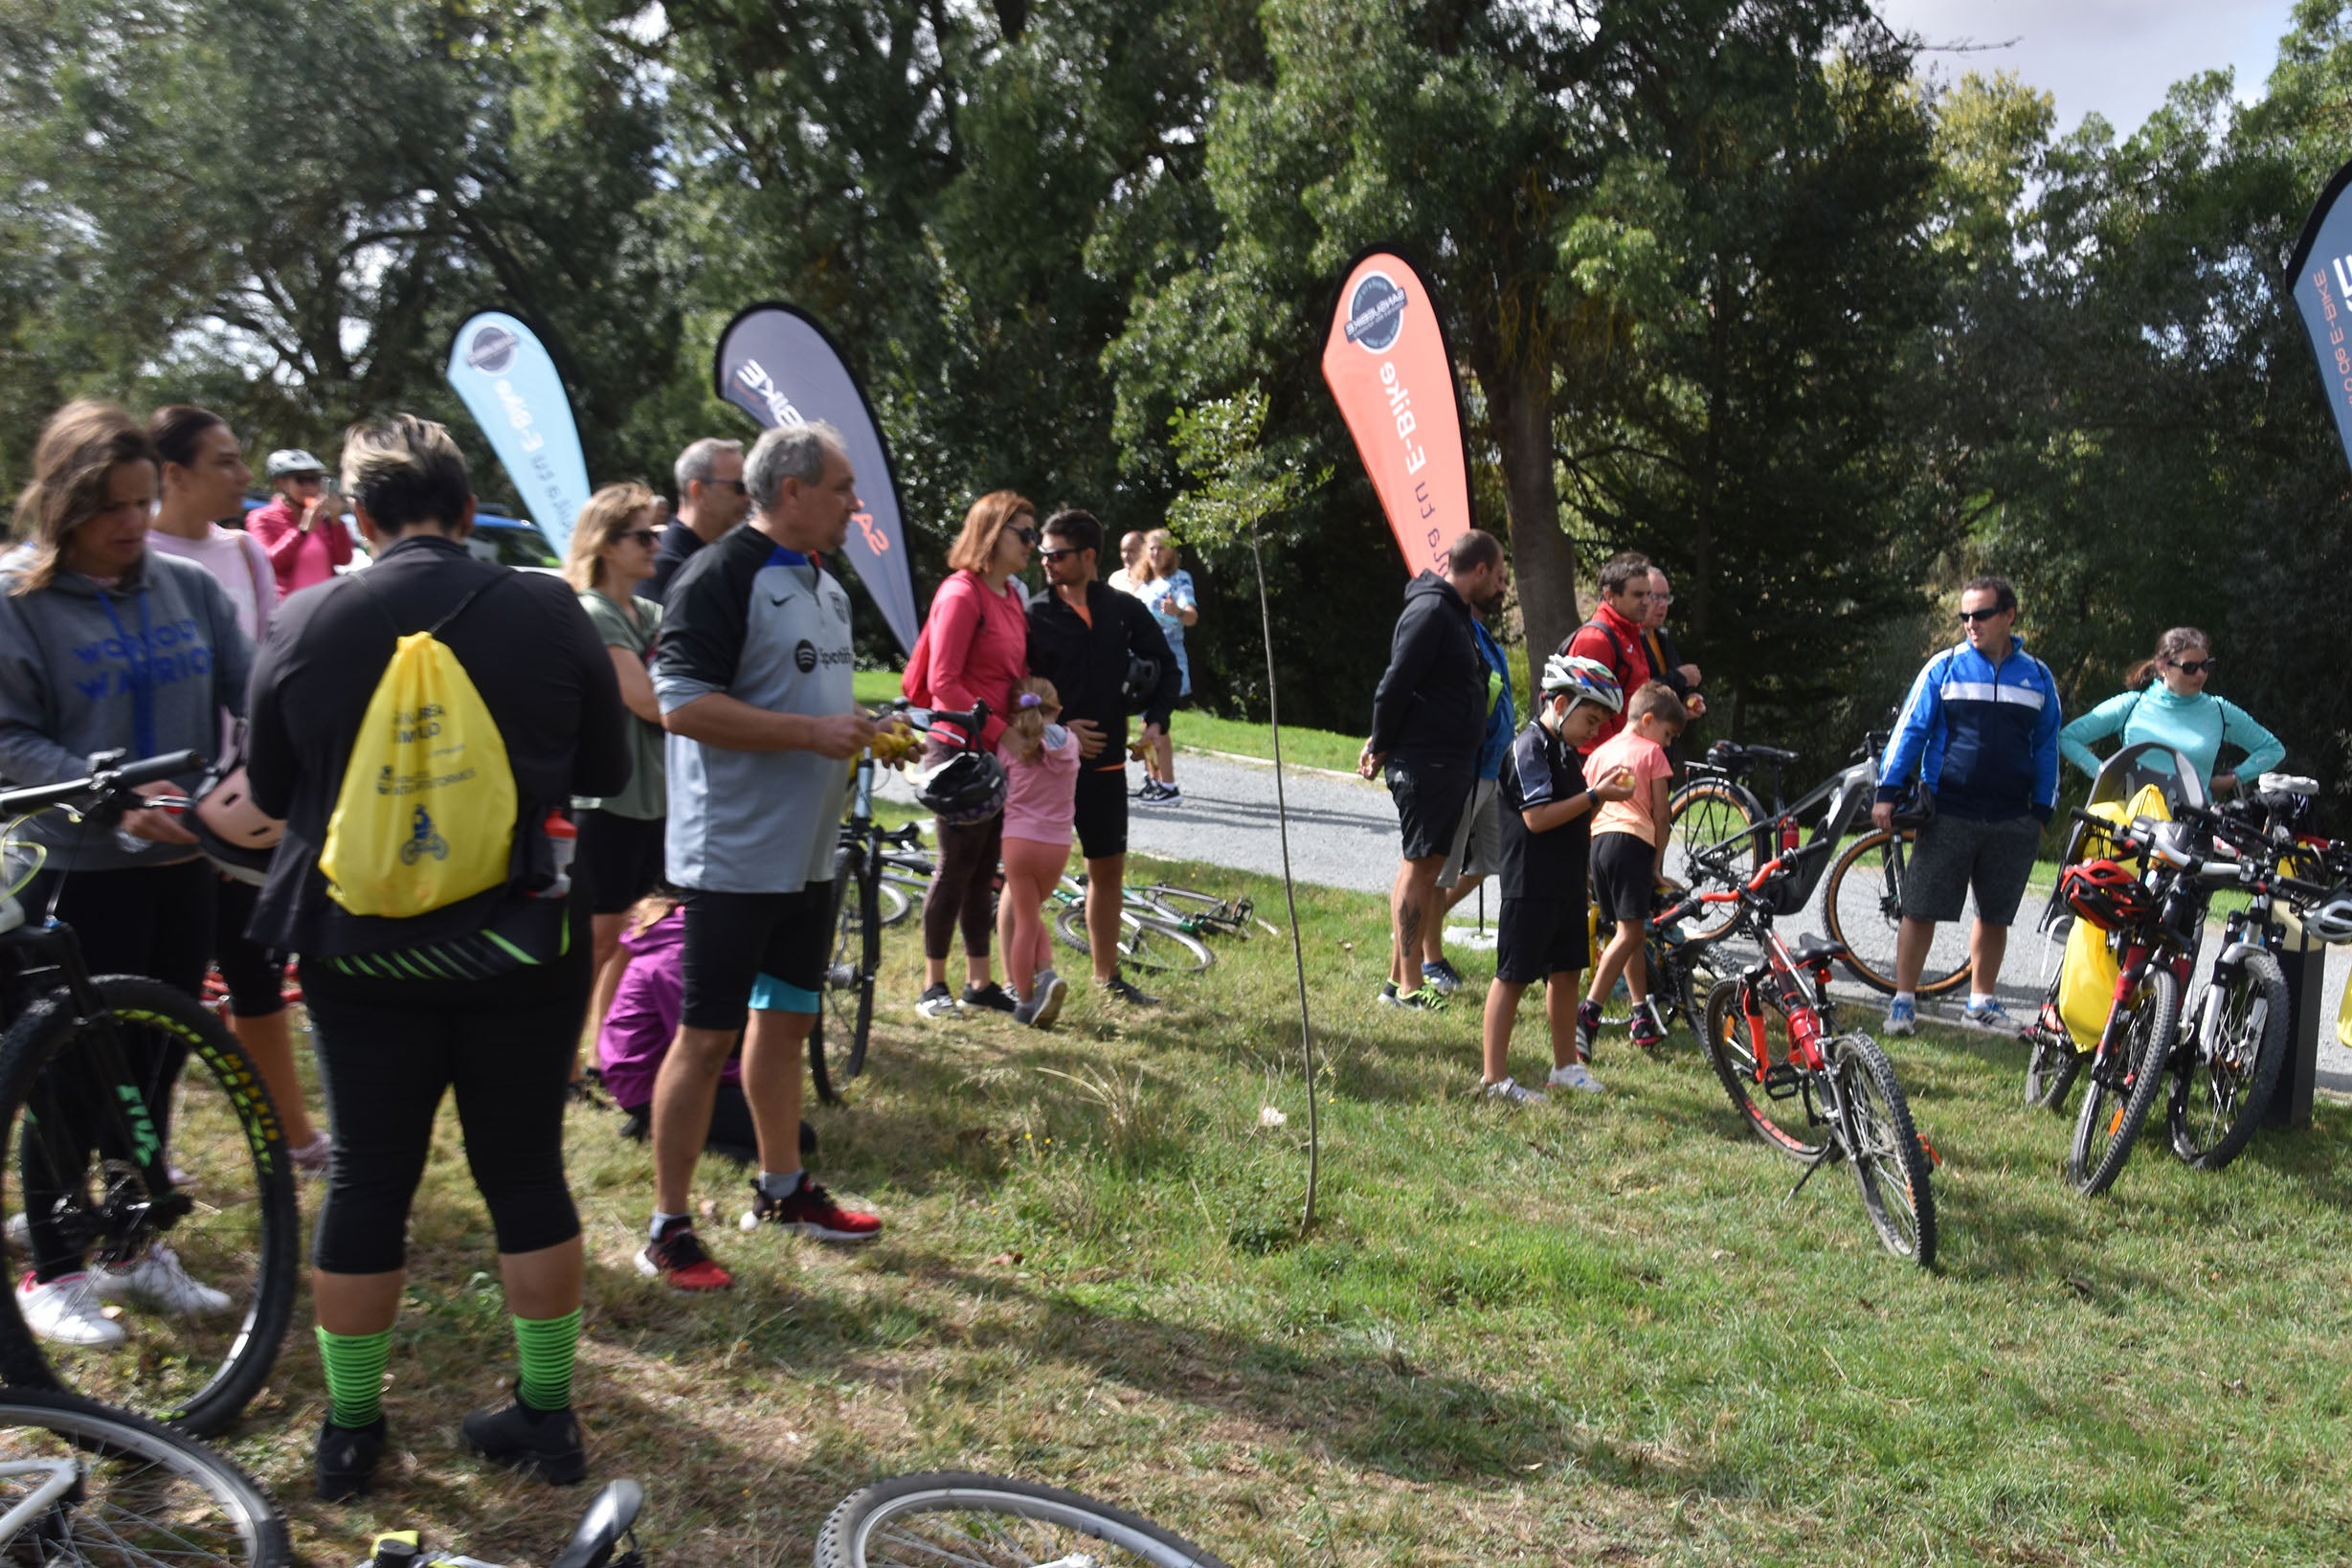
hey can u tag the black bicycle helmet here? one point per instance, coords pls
(969, 787)
(1142, 679)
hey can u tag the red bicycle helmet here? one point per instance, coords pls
(2107, 895)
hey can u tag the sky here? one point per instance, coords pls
(2115, 56)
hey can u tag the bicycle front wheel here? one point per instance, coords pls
(1890, 1161)
(141, 1142)
(1779, 1107)
(141, 1493)
(1710, 842)
(1864, 906)
(2121, 1092)
(837, 1039)
(985, 1521)
(2219, 1099)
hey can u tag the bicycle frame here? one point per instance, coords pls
(1845, 791)
(1803, 986)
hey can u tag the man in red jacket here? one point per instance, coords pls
(302, 529)
(1614, 634)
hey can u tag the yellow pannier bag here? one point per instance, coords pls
(426, 814)
(2087, 975)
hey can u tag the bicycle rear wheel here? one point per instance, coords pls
(84, 1106)
(144, 1494)
(1787, 1120)
(985, 1521)
(837, 1039)
(2120, 1094)
(1890, 1162)
(2219, 1100)
(1864, 906)
(1710, 842)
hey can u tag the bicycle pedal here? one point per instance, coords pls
(1783, 1082)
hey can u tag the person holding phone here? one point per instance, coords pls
(302, 529)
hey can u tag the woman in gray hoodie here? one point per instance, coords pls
(106, 645)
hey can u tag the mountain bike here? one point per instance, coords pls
(987, 1521)
(608, 1523)
(1203, 914)
(81, 1483)
(1722, 832)
(1815, 1094)
(133, 1126)
(845, 1022)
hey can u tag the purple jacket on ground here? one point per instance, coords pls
(637, 1031)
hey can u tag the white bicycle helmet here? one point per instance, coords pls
(1585, 680)
(2330, 920)
(238, 837)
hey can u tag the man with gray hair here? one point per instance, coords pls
(753, 677)
(711, 499)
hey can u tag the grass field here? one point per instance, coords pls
(1583, 1332)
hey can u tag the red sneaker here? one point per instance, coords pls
(811, 1212)
(677, 1259)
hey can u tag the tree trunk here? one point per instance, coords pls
(1543, 559)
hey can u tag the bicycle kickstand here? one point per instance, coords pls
(1828, 1153)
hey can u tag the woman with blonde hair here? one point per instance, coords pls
(975, 648)
(614, 543)
(1165, 590)
(106, 645)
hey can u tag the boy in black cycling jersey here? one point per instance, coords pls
(754, 675)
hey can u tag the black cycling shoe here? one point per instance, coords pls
(543, 1443)
(991, 996)
(346, 1459)
(1117, 989)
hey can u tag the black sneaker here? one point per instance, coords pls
(542, 1442)
(346, 1459)
(1116, 988)
(991, 996)
(937, 1002)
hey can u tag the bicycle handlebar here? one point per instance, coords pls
(102, 785)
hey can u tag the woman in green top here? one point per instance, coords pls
(2167, 702)
(619, 854)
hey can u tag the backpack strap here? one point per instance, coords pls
(497, 575)
(1624, 649)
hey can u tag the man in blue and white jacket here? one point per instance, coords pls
(1979, 731)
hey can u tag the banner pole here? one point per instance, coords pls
(1289, 893)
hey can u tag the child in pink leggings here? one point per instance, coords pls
(1040, 764)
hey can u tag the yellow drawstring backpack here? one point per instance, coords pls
(2087, 974)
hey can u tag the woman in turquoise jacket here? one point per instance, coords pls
(2167, 702)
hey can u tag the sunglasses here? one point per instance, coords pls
(642, 536)
(1027, 536)
(2195, 666)
(1054, 554)
(1970, 615)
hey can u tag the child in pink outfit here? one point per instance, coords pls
(1041, 766)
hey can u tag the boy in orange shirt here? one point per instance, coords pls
(1628, 855)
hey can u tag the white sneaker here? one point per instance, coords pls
(157, 1281)
(1577, 1076)
(1511, 1090)
(66, 1312)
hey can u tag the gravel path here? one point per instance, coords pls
(1343, 833)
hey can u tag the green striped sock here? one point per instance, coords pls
(354, 1375)
(545, 1347)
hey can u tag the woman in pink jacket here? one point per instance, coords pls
(974, 647)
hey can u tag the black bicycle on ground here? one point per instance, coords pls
(135, 1134)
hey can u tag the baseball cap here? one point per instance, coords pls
(293, 460)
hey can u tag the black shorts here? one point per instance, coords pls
(1431, 797)
(746, 950)
(1625, 873)
(1101, 811)
(1535, 938)
(620, 858)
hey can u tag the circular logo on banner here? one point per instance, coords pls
(1376, 313)
(492, 350)
(804, 656)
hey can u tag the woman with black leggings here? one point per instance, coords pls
(106, 645)
(975, 648)
(405, 1010)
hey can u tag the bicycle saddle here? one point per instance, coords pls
(1732, 754)
(1811, 949)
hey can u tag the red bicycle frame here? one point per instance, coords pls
(1807, 1029)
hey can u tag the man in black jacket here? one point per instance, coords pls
(1428, 717)
(1083, 634)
